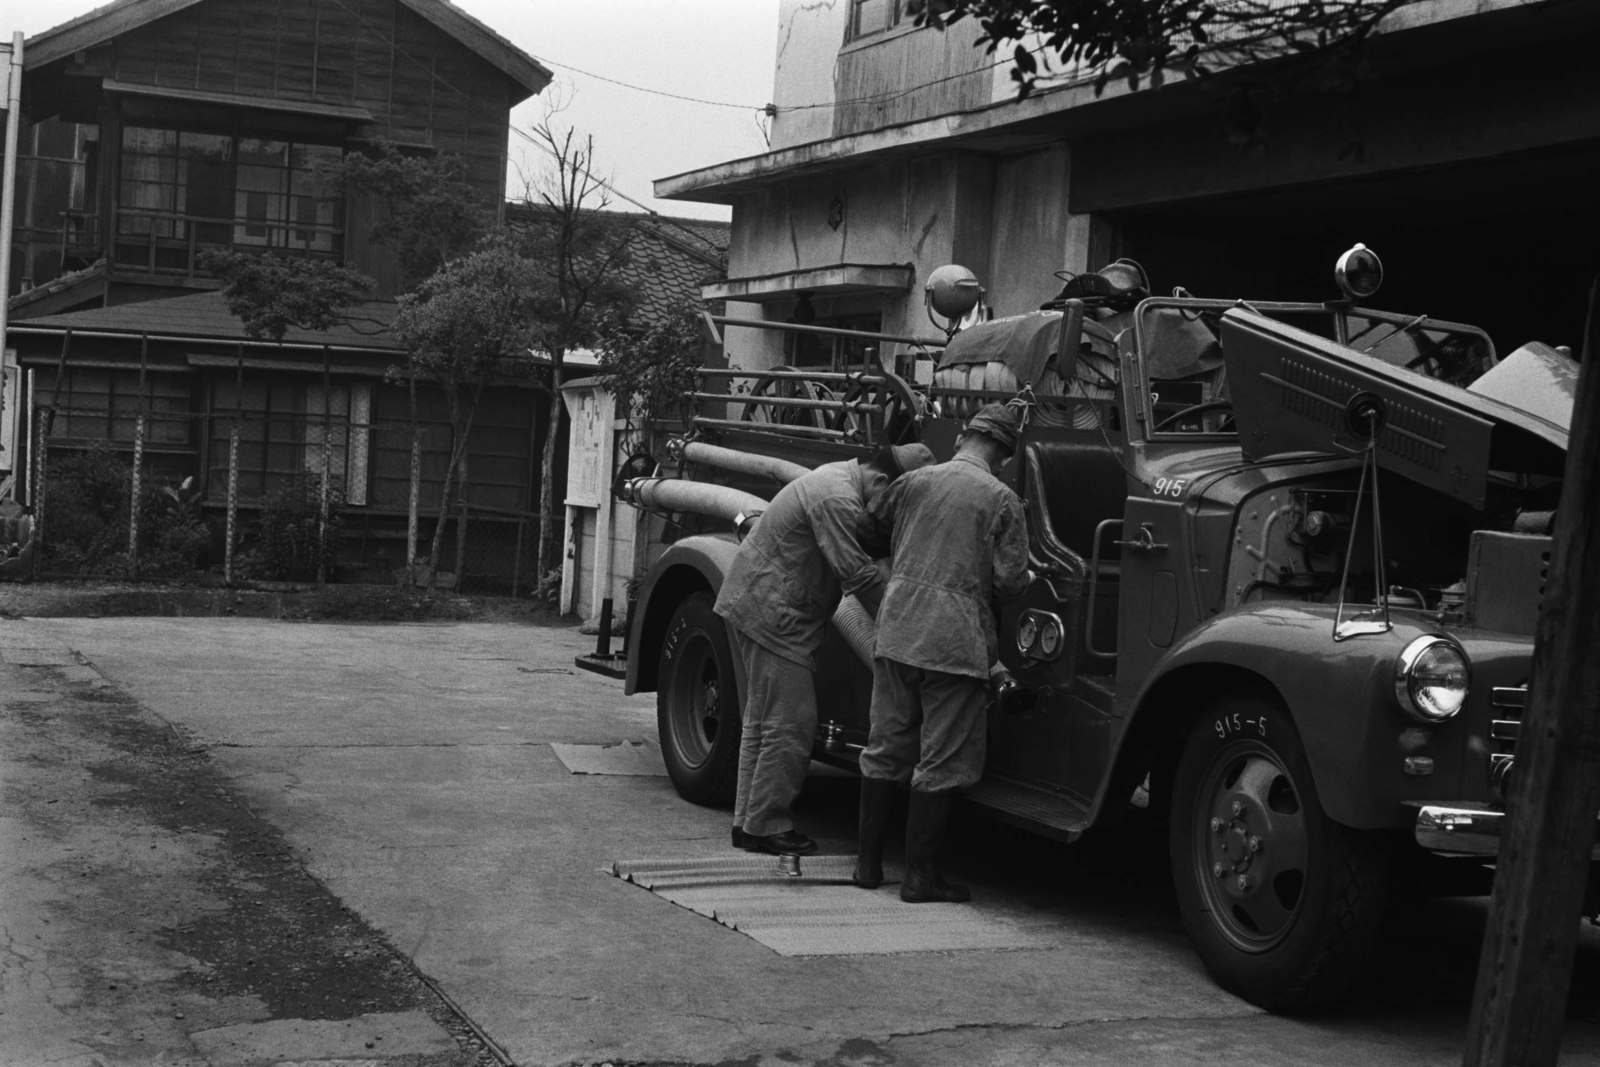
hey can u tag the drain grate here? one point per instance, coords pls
(818, 913)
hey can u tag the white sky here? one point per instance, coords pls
(719, 50)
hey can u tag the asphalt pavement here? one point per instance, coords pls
(410, 767)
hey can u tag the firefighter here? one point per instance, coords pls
(803, 555)
(958, 539)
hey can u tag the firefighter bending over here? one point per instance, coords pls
(804, 554)
(959, 538)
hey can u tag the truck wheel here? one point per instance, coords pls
(697, 704)
(1283, 903)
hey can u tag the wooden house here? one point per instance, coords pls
(155, 130)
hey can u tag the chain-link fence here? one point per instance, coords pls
(314, 490)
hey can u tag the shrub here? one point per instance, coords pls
(292, 544)
(86, 518)
(86, 510)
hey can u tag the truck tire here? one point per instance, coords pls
(1283, 904)
(697, 704)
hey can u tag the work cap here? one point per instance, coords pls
(909, 457)
(996, 421)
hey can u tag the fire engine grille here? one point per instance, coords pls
(1508, 702)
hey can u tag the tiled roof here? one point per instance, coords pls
(206, 316)
(671, 258)
(663, 273)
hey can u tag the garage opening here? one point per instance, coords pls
(1510, 245)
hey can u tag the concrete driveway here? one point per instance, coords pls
(411, 766)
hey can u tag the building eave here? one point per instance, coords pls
(832, 280)
(1048, 116)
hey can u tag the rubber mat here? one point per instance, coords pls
(817, 912)
(625, 757)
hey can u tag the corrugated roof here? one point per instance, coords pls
(205, 316)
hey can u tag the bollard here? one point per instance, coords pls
(602, 645)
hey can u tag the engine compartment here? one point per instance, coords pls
(1439, 555)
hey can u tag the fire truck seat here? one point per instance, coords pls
(1079, 483)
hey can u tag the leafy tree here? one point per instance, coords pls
(650, 369)
(581, 251)
(430, 213)
(270, 293)
(1143, 40)
(471, 323)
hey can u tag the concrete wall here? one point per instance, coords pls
(809, 35)
(1029, 231)
(1005, 219)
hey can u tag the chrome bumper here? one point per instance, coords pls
(1465, 829)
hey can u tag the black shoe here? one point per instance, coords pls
(740, 838)
(790, 842)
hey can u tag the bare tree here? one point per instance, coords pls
(580, 250)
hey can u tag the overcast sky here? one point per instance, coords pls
(719, 50)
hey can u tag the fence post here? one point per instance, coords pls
(233, 501)
(461, 545)
(322, 505)
(327, 473)
(134, 485)
(411, 516)
(516, 559)
(38, 492)
(133, 496)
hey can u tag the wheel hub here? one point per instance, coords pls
(1235, 844)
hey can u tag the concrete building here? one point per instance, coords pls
(1466, 151)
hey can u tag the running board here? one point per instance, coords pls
(1050, 813)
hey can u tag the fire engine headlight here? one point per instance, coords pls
(1431, 678)
(1027, 632)
(1050, 635)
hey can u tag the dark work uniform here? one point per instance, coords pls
(788, 578)
(959, 539)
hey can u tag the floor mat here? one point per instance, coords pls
(624, 757)
(818, 912)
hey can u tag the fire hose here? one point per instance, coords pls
(781, 471)
(700, 498)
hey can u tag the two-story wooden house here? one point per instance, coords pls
(156, 130)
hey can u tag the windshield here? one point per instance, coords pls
(1181, 356)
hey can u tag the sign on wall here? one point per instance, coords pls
(586, 474)
(9, 375)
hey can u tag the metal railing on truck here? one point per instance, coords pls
(863, 408)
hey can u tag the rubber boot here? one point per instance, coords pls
(878, 796)
(926, 820)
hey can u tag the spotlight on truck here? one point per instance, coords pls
(1359, 272)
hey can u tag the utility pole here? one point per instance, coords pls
(1525, 971)
(11, 83)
